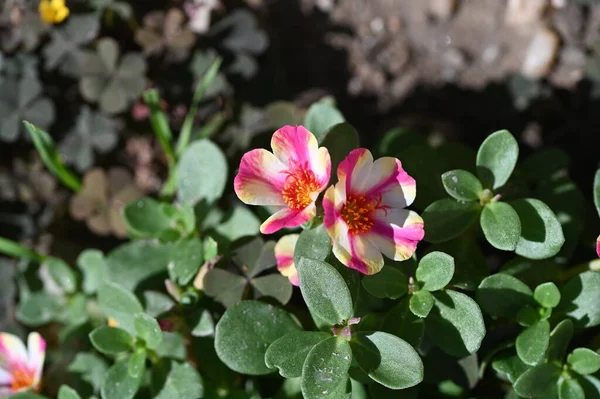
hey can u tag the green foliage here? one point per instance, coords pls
(120, 304)
(496, 159)
(447, 219)
(462, 185)
(110, 340)
(147, 328)
(246, 330)
(421, 303)
(532, 343)
(541, 233)
(435, 271)
(288, 353)
(388, 283)
(325, 369)
(501, 225)
(324, 290)
(320, 118)
(584, 361)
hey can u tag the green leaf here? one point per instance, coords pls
(455, 323)
(470, 263)
(590, 385)
(62, 274)
(569, 388)
(201, 173)
(313, 243)
(186, 129)
(120, 304)
(255, 256)
(38, 308)
(447, 219)
(580, 298)
(547, 295)
(541, 233)
(202, 324)
(325, 370)
(111, 340)
(324, 291)
(539, 381)
(509, 364)
(559, 340)
(147, 328)
(157, 303)
(501, 225)
(146, 218)
(340, 140)
(118, 383)
(288, 353)
(245, 332)
(273, 285)
(435, 271)
(462, 185)
(321, 117)
(421, 303)
(528, 316)
(90, 367)
(182, 381)
(584, 361)
(137, 363)
(388, 283)
(93, 266)
(241, 222)
(160, 123)
(496, 159)
(597, 191)
(502, 295)
(224, 286)
(172, 346)
(387, 359)
(532, 342)
(66, 392)
(50, 156)
(131, 263)
(185, 260)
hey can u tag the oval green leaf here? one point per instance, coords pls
(462, 185)
(324, 291)
(501, 225)
(147, 328)
(580, 298)
(320, 117)
(313, 243)
(245, 332)
(111, 340)
(289, 352)
(447, 219)
(539, 381)
(559, 340)
(325, 370)
(496, 159)
(455, 323)
(201, 173)
(584, 361)
(421, 303)
(547, 295)
(533, 342)
(435, 270)
(541, 233)
(502, 295)
(597, 191)
(66, 392)
(118, 383)
(185, 259)
(146, 218)
(388, 283)
(137, 363)
(120, 304)
(569, 388)
(62, 274)
(387, 359)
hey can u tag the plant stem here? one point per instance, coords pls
(16, 250)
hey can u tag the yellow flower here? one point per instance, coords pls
(112, 322)
(53, 11)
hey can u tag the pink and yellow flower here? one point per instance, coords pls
(598, 246)
(20, 367)
(284, 254)
(365, 215)
(289, 179)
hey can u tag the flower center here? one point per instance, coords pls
(358, 212)
(299, 187)
(22, 377)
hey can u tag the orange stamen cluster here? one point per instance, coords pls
(298, 189)
(358, 212)
(22, 377)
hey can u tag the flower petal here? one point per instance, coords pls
(12, 349)
(357, 252)
(36, 347)
(353, 172)
(260, 179)
(294, 145)
(287, 217)
(5, 379)
(388, 179)
(598, 246)
(284, 254)
(397, 233)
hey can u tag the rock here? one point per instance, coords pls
(442, 9)
(525, 12)
(541, 54)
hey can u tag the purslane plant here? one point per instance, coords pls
(389, 304)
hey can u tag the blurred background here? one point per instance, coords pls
(445, 70)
